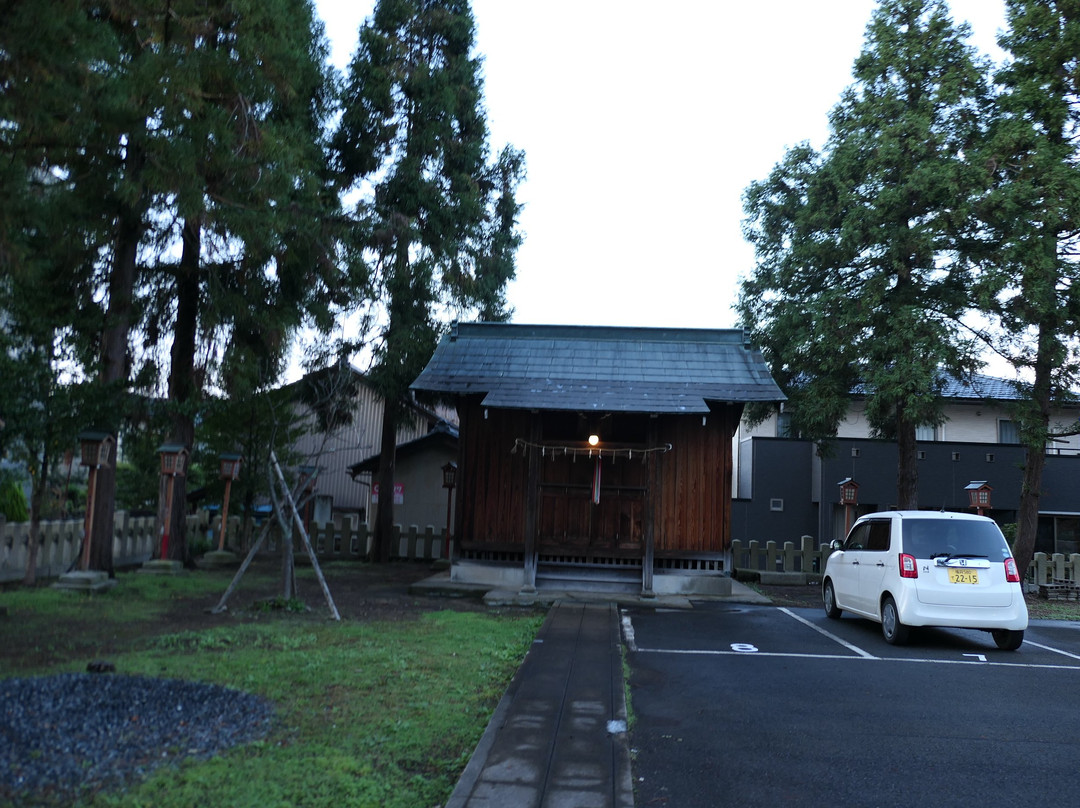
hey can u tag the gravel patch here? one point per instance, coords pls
(64, 735)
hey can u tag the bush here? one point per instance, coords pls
(13, 499)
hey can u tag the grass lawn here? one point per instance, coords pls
(381, 709)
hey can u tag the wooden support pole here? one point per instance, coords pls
(532, 506)
(652, 490)
(304, 537)
(243, 567)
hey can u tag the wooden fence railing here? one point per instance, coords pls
(135, 541)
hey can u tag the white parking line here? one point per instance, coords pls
(830, 635)
(628, 632)
(784, 655)
(1050, 648)
(631, 643)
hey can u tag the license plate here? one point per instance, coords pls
(958, 576)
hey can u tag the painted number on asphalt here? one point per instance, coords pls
(744, 648)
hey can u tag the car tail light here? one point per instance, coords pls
(1012, 574)
(908, 568)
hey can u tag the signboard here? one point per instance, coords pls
(399, 493)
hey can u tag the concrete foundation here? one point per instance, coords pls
(85, 581)
(509, 577)
(220, 558)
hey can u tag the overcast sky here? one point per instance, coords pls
(642, 124)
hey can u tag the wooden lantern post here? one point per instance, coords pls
(229, 471)
(173, 464)
(849, 498)
(97, 451)
(449, 480)
(979, 495)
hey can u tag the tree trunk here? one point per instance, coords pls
(384, 524)
(114, 365)
(1033, 434)
(37, 497)
(183, 387)
(907, 470)
(1027, 520)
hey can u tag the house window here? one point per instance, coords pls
(1007, 432)
(925, 433)
(783, 425)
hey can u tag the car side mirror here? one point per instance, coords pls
(836, 544)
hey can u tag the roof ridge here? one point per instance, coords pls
(613, 333)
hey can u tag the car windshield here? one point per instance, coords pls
(929, 538)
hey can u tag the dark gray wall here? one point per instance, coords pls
(785, 469)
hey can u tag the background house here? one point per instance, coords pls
(602, 454)
(419, 497)
(785, 490)
(335, 445)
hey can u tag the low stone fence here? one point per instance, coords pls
(135, 540)
(346, 540)
(1050, 575)
(1056, 575)
(773, 563)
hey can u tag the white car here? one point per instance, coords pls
(926, 568)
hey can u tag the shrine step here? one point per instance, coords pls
(591, 578)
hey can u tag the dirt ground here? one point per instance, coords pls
(361, 592)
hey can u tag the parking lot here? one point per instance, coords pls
(756, 705)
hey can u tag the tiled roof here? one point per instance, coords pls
(981, 388)
(973, 388)
(442, 434)
(608, 369)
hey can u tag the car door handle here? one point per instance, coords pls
(854, 563)
(880, 564)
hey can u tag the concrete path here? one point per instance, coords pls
(558, 737)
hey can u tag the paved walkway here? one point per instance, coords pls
(558, 737)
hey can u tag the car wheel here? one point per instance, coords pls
(1007, 640)
(829, 596)
(895, 632)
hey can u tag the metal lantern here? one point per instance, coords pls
(449, 480)
(229, 471)
(173, 459)
(96, 449)
(849, 498)
(849, 492)
(230, 466)
(978, 495)
(173, 464)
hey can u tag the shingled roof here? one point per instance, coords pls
(607, 369)
(977, 388)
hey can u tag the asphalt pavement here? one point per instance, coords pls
(739, 705)
(558, 738)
